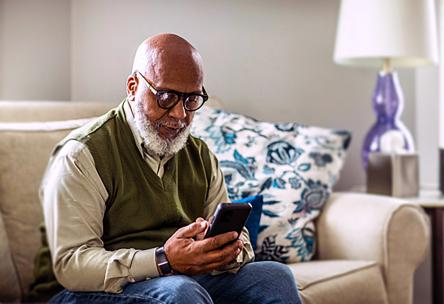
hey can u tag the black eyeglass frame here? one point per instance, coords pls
(181, 95)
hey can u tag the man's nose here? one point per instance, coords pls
(178, 111)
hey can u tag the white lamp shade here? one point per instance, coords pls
(403, 31)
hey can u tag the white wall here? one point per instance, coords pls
(35, 49)
(427, 114)
(269, 59)
(427, 121)
(1, 47)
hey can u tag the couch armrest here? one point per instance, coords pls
(391, 231)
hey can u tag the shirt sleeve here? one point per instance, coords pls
(73, 198)
(218, 194)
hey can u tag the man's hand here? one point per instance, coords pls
(189, 253)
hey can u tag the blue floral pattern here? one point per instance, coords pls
(293, 166)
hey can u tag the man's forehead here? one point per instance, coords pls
(164, 48)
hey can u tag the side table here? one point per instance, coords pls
(433, 204)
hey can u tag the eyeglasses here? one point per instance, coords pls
(167, 99)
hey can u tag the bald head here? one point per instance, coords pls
(167, 60)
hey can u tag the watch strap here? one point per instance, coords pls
(162, 262)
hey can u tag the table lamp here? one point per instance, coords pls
(386, 34)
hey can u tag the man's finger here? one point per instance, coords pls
(230, 252)
(218, 241)
(221, 262)
(199, 219)
(191, 230)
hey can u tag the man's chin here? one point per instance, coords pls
(158, 139)
(170, 144)
(169, 134)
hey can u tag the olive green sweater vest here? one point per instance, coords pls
(142, 210)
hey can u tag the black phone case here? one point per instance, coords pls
(229, 217)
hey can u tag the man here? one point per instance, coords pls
(127, 196)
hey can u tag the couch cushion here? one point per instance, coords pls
(340, 282)
(10, 287)
(24, 154)
(293, 166)
(30, 111)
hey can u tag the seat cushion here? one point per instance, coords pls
(340, 282)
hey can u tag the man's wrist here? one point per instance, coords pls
(163, 265)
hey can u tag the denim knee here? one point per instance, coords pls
(270, 268)
(276, 282)
(276, 268)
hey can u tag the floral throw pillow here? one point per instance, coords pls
(293, 166)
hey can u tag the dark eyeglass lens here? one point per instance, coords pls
(193, 102)
(167, 99)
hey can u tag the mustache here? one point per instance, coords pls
(176, 124)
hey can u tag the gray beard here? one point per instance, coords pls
(151, 139)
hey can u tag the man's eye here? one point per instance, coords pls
(167, 98)
(193, 98)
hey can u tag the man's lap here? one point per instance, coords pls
(168, 289)
(259, 282)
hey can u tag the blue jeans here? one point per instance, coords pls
(258, 282)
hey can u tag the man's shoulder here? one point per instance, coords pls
(71, 149)
(76, 141)
(88, 130)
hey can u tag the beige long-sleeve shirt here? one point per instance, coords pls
(73, 198)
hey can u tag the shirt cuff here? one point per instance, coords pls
(144, 265)
(247, 252)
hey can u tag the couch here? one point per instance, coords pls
(368, 246)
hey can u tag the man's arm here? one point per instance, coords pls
(73, 199)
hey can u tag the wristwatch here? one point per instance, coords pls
(162, 262)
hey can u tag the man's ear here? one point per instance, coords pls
(131, 86)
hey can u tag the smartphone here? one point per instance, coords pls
(229, 217)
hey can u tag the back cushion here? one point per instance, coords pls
(24, 153)
(31, 111)
(10, 287)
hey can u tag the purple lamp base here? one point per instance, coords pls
(388, 134)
